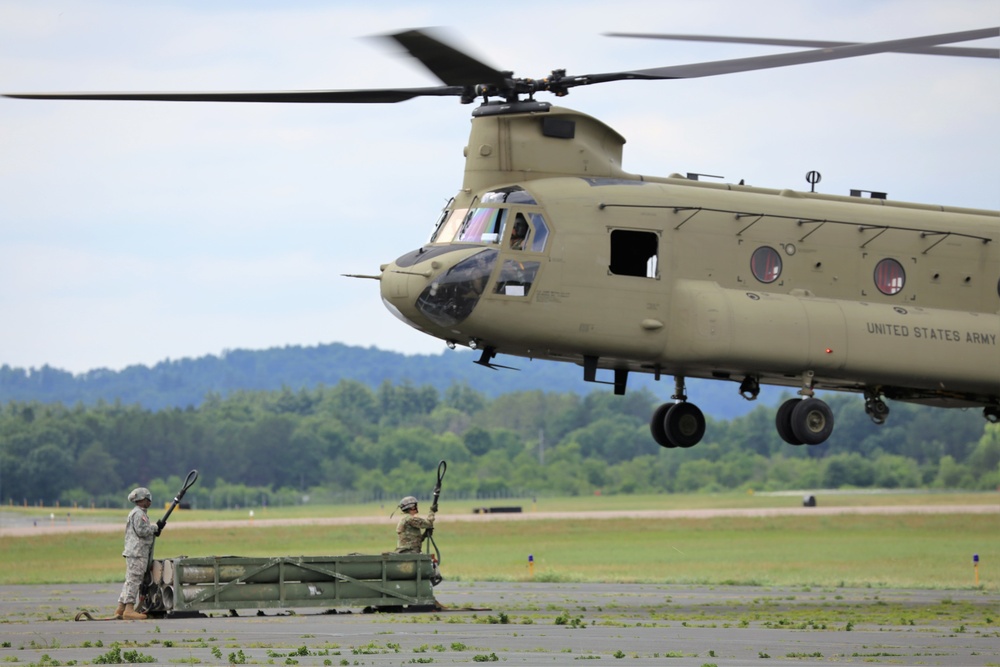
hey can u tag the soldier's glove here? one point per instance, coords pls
(160, 523)
(156, 531)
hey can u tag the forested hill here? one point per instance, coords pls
(186, 382)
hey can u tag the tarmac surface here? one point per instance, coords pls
(525, 623)
(529, 624)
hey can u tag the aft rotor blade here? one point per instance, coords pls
(375, 96)
(453, 67)
(814, 44)
(718, 67)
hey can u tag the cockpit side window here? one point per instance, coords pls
(516, 278)
(528, 232)
(541, 233)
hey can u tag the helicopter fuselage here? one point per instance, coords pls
(576, 260)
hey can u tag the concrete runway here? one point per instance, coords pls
(16, 525)
(533, 624)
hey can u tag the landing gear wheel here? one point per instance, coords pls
(877, 410)
(657, 426)
(812, 421)
(783, 421)
(992, 413)
(685, 424)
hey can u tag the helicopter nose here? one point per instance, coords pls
(396, 286)
(434, 295)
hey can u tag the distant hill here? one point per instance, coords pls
(186, 382)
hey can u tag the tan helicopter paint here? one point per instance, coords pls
(504, 149)
(821, 324)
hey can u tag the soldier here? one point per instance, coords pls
(410, 529)
(139, 537)
(519, 234)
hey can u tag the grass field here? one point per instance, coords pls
(909, 551)
(850, 498)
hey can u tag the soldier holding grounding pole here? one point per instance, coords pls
(139, 537)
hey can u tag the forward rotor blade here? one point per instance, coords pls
(457, 69)
(453, 67)
(374, 96)
(816, 44)
(718, 67)
(467, 77)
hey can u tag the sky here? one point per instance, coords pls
(136, 232)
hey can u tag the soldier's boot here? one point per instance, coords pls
(120, 610)
(130, 614)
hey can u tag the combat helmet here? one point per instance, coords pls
(141, 493)
(408, 503)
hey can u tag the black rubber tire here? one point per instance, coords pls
(685, 424)
(783, 421)
(812, 421)
(657, 426)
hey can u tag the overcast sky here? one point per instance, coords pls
(133, 232)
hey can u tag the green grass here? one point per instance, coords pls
(910, 551)
(930, 551)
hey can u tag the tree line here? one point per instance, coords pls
(349, 442)
(179, 383)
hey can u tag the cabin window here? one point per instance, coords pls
(889, 276)
(634, 253)
(765, 264)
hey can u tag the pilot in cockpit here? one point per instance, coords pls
(519, 234)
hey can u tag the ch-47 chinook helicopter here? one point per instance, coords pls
(550, 250)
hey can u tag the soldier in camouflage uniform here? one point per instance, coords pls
(139, 537)
(410, 529)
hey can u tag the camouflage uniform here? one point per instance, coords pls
(139, 537)
(410, 532)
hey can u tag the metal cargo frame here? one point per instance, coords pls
(234, 582)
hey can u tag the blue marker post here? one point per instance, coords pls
(975, 566)
(531, 566)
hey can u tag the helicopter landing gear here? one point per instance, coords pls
(992, 413)
(680, 424)
(749, 388)
(804, 421)
(875, 407)
(677, 425)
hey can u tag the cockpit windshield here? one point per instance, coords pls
(482, 223)
(448, 224)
